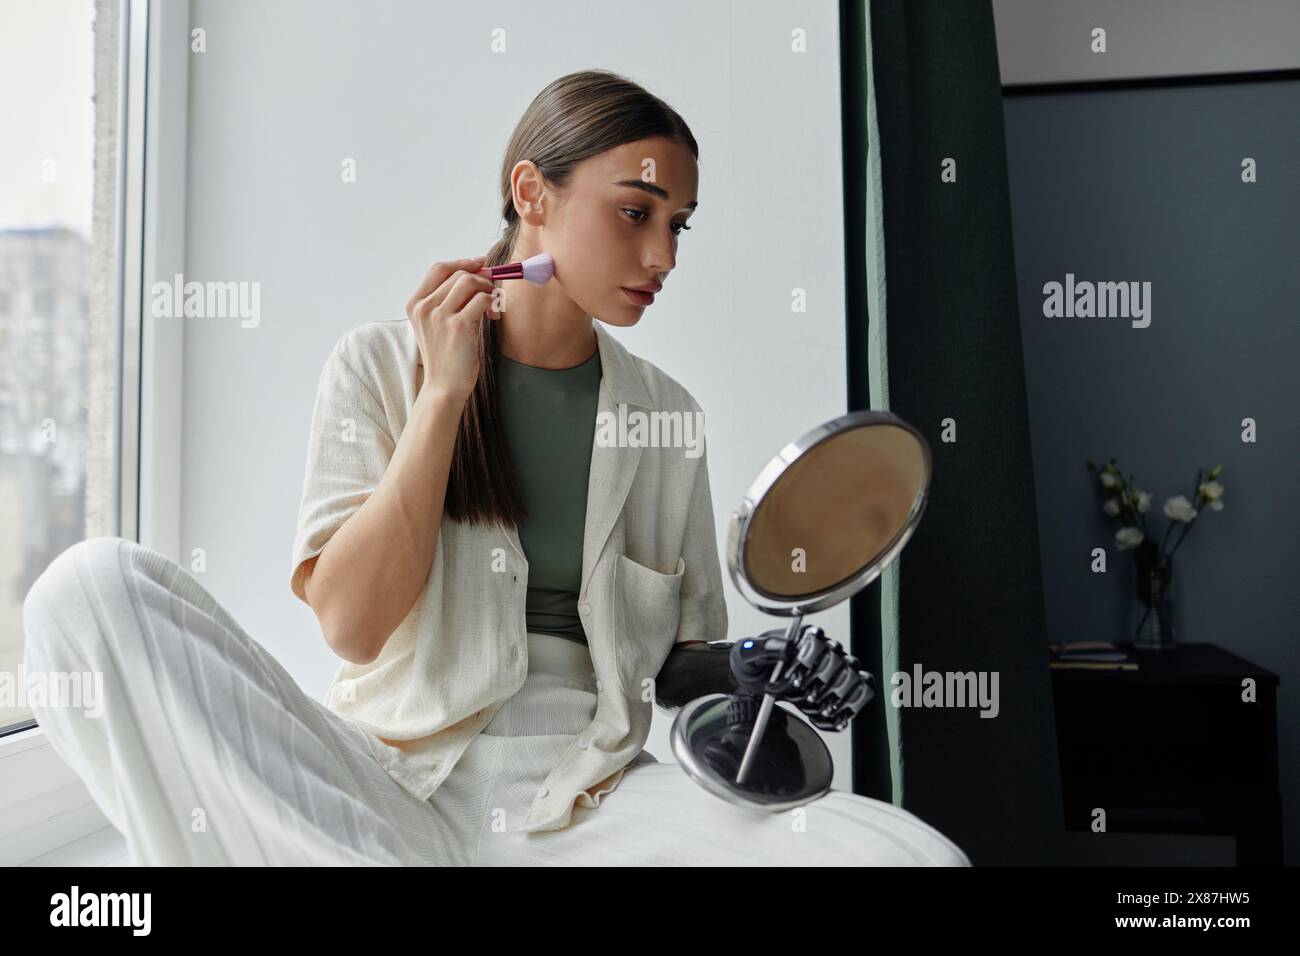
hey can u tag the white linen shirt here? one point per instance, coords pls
(651, 576)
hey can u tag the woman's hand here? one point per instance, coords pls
(445, 312)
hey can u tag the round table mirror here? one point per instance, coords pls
(821, 521)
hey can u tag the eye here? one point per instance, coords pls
(677, 226)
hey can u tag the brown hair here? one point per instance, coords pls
(576, 116)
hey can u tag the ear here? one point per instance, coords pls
(528, 191)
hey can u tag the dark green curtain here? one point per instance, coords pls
(934, 334)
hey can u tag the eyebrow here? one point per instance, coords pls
(652, 189)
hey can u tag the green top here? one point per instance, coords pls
(549, 418)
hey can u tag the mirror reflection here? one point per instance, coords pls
(840, 505)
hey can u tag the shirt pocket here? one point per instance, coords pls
(647, 608)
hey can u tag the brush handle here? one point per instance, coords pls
(511, 270)
(536, 269)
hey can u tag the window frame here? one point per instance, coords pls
(45, 804)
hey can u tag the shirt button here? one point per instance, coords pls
(514, 653)
(586, 608)
(543, 792)
(582, 744)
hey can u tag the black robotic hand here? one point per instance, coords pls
(816, 674)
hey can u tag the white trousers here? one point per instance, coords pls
(207, 752)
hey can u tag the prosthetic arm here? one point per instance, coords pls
(694, 670)
(816, 675)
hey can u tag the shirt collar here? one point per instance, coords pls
(619, 371)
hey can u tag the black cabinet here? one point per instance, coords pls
(1172, 747)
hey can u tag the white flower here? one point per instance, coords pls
(1179, 508)
(1107, 480)
(1128, 537)
(1216, 505)
(1111, 507)
(1143, 502)
(1212, 491)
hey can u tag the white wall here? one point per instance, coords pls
(413, 92)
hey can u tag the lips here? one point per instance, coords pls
(638, 297)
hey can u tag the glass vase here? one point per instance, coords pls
(1155, 573)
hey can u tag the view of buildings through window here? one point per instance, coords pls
(47, 176)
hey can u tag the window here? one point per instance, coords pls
(61, 339)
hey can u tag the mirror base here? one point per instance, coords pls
(792, 764)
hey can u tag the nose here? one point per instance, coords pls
(660, 255)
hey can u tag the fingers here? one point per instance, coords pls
(438, 274)
(480, 304)
(459, 289)
(452, 294)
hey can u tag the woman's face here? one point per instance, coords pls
(618, 223)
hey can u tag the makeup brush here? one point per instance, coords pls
(536, 269)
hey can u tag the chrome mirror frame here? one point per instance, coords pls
(738, 530)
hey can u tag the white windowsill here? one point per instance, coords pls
(44, 804)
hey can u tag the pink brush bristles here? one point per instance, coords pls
(536, 269)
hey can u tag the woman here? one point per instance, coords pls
(503, 589)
